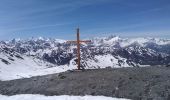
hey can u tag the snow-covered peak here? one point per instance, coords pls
(127, 42)
(124, 42)
(160, 41)
(110, 40)
(99, 41)
(41, 38)
(60, 41)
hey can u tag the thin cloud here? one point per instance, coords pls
(17, 11)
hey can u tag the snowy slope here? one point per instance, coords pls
(103, 61)
(15, 66)
(27, 67)
(30, 66)
(62, 97)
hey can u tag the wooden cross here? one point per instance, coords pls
(78, 42)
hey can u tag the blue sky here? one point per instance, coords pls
(60, 18)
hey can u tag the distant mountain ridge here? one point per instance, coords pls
(57, 51)
(111, 51)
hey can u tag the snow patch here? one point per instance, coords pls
(62, 97)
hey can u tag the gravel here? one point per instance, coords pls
(143, 83)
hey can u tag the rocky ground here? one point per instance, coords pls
(144, 83)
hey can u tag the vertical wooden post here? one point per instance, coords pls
(78, 49)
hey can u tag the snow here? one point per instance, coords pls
(60, 41)
(142, 41)
(103, 61)
(40, 38)
(30, 66)
(161, 41)
(62, 97)
(27, 67)
(112, 40)
(127, 42)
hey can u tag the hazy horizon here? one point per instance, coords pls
(85, 37)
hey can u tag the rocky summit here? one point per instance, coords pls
(136, 83)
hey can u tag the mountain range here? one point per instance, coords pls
(37, 56)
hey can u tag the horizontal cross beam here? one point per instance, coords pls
(81, 41)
